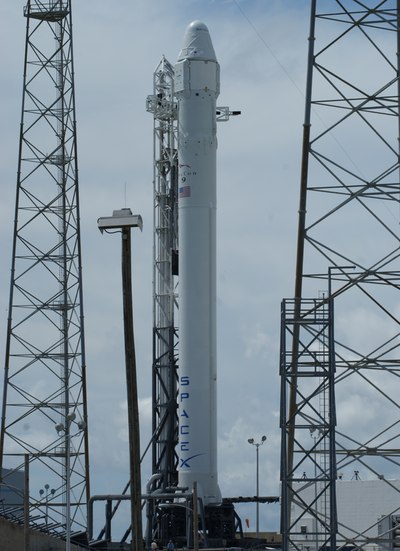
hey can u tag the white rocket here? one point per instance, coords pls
(196, 89)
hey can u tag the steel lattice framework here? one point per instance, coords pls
(348, 242)
(310, 481)
(162, 105)
(44, 415)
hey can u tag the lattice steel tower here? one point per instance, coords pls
(44, 415)
(162, 105)
(347, 254)
(165, 248)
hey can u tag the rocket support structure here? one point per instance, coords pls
(196, 90)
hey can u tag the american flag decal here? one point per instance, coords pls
(184, 191)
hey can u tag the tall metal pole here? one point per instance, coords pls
(301, 232)
(69, 419)
(67, 494)
(257, 491)
(195, 519)
(124, 220)
(131, 385)
(26, 504)
(257, 445)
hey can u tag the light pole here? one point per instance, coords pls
(257, 445)
(41, 492)
(123, 220)
(64, 431)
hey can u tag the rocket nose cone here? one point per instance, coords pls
(197, 43)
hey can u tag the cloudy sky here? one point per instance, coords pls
(261, 47)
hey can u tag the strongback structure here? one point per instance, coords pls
(44, 417)
(165, 267)
(162, 105)
(347, 254)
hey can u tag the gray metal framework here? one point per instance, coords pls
(165, 271)
(309, 484)
(348, 238)
(44, 410)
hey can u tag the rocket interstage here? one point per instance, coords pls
(196, 89)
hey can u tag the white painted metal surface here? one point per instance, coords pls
(196, 89)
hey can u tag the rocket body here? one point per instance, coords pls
(196, 89)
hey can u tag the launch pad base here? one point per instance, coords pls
(219, 526)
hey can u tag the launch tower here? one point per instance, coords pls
(347, 257)
(44, 416)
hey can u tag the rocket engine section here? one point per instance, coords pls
(196, 89)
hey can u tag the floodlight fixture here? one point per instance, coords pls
(122, 218)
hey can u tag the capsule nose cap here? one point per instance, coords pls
(197, 43)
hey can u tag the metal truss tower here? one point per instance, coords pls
(44, 415)
(347, 253)
(309, 481)
(162, 105)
